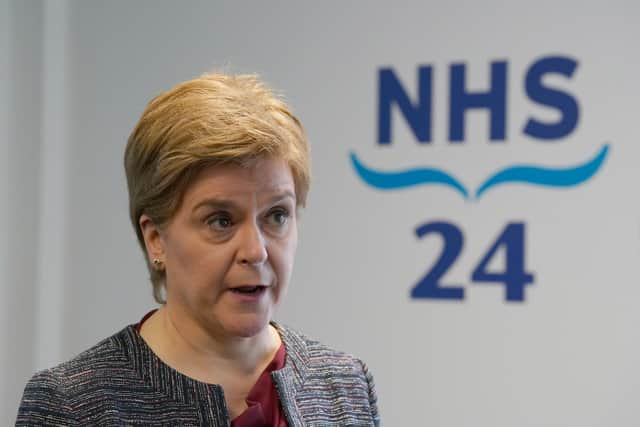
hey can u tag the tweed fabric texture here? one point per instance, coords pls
(120, 381)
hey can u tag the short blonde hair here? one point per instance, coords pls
(213, 119)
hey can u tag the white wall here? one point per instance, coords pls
(5, 61)
(78, 74)
(21, 158)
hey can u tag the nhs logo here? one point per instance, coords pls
(415, 105)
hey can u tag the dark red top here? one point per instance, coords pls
(263, 405)
(264, 408)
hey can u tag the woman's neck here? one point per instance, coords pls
(205, 352)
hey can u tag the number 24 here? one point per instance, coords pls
(514, 277)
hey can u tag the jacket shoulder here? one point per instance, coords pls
(318, 357)
(337, 387)
(95, 361)
(51, 395)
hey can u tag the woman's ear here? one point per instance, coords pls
(152, 239)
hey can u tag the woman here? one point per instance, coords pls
(217, 169)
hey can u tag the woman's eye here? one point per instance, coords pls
(219, 222)
(279, 216)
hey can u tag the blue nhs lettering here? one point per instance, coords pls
(418, 113)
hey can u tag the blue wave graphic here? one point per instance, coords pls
(404, 179)
(563, 177)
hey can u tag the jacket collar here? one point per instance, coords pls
(296, 366)
(291, 378)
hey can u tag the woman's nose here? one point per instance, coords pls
(252, 245)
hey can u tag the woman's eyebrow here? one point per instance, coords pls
(229, 204)
(216, 203)
(287, 194)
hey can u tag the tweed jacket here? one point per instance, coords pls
(120, 381)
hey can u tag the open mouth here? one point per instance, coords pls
(249, 290)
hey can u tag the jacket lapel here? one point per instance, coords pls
(290, 380)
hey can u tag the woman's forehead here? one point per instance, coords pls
(265, 179)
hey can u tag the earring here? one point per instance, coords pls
(157, 264)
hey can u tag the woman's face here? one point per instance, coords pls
(229, 249)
